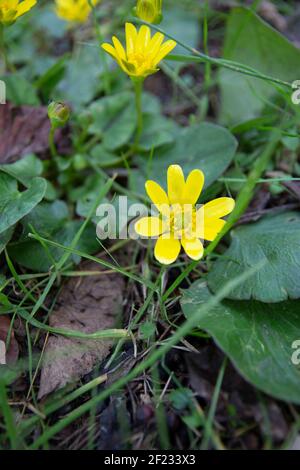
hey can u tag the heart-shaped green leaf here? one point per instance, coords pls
(114, 119)
(260, 339)
(14, 205)
(5, 237)
(32, 255)
(274, 239)
(253, 42)
(24, 169)
(205, 146)
(157, 131)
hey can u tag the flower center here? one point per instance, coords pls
(138, 59)
(181, 220)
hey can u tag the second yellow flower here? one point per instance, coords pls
(142, 54)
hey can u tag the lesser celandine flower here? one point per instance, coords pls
(149, 10)
(141, 57)
(74, 10)
(142, 54)
(10, 10)
(180, 221)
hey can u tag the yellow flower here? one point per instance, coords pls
(181, 222)
(10, 10)
(74, 10)
(142, 54)
(149, 10)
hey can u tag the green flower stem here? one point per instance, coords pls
(100, 39)
(7, 65)
(2, 47)
(207, 75)
(138, 88)
(52, 145)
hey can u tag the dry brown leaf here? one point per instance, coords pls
(24, 130)
(87, 304)
(11, 355)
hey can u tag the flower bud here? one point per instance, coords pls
(58, 113)
(149, 10)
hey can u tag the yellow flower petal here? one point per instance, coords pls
(25, 6)
(193, 248)
(219, 207)
(155, 43)
(10, 10)
(165, 49)
(74, 10)
(131, 35)
(142, 53)
(13, 4)
(212, 228)
(176, 183)
(193, 187)
(143, 38)
(119, 48)
(167, 250)
(111, 50)
(158, 196)
(148, 227)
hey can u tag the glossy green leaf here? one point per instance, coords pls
(253, 42)
(103, 157)
(183, 23)
(46, 218)
(157, 131)
(14, 205)
(53, 75)
(5, 237)
(86, 196)
(205, 146)
(20, 91)
(114, 119)
(82, 77)
(274, 239)
(32, 255)
(257, 337)
(24, 169)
